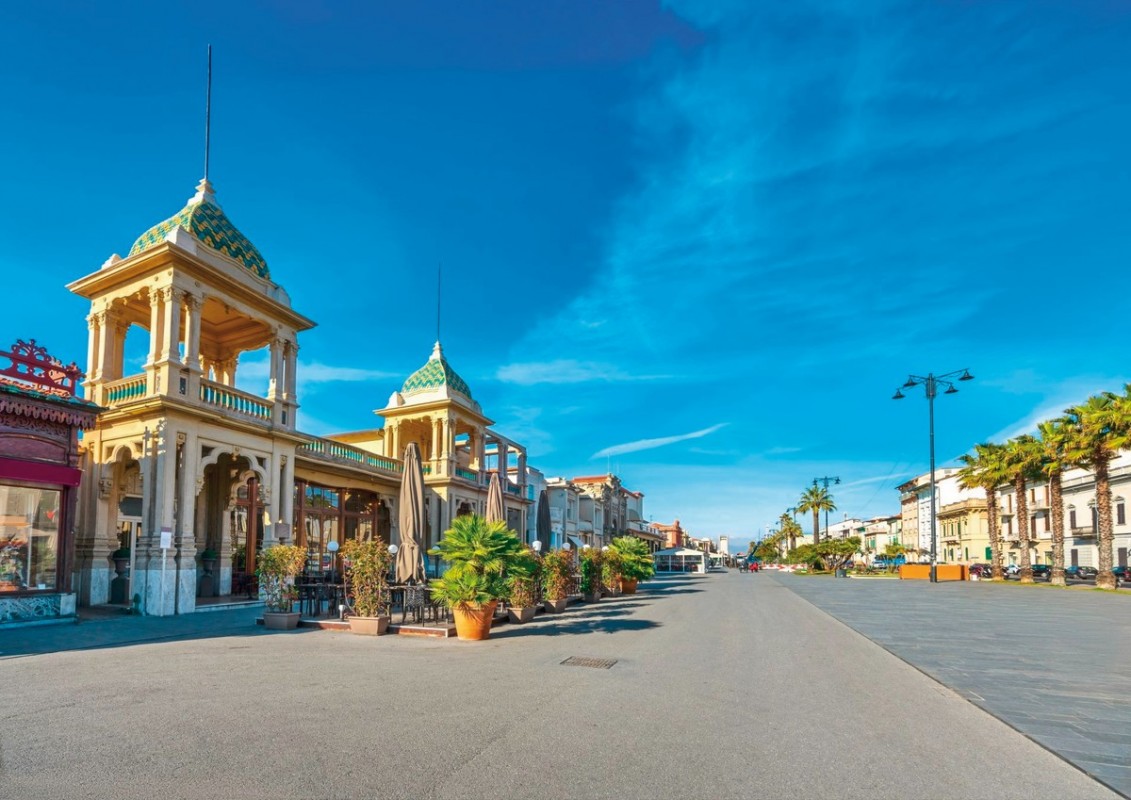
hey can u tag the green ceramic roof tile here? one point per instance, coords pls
(437, 372)
(208, 223)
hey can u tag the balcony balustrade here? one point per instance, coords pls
(234, 401)
(329, 450)
(467, 474)
(515, 490)
(1083, 533)
(124, 390)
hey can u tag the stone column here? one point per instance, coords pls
(446, 446)
(157, 595)
(193, 307)
(185, 532)
(154, 341)
(271, 493)
(290, 387)
(287, 487)
(275, 382)
(93, 364)
(171, 349)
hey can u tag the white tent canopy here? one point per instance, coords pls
(679, 559)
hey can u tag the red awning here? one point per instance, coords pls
(15, 469)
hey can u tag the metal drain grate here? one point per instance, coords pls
(596, 663)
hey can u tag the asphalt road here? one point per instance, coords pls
(221, 709)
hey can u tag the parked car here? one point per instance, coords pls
(1080, 573)
(1120, 574)
(1042, 572)
(1012, 569)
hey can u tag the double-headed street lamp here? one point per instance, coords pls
(825, 481)
(931, 383)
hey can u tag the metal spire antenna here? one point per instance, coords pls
(208, 113)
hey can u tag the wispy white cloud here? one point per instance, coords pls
(649, 444)
(567, 371)
(781, 451)
(313, 373)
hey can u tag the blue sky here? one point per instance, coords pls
(698, 243)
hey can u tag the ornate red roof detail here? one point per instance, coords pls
(31, 363)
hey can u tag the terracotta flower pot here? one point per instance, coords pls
(280, 620)
(524, 614)
(369, 626)
(555, 606)
(473, 623)
(628, 586)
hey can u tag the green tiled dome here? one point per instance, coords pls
(434, 375)
(208, 223)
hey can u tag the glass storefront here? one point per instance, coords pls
(29, 538)
(324, 514)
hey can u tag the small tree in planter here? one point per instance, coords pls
(634, 562)
(523, 577)
(612, 570)
(557, 579)
(278, 565)
(367, 576)
(480, 554)
(591, 574)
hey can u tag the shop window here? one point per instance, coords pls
(29, 538)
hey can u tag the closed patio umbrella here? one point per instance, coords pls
(495, 510)
(410, 555)
(543, 529)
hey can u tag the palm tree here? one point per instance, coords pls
(789, 529)
(985, 470)
(1053, 433)
(1022, 461)
(1097, 430)
(816, 499)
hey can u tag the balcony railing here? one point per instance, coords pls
(467, 474)
(1083, 533)
(235, 401)
(515, 490)
(124, 390)
(329, 450)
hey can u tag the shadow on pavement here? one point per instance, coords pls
(610, 621)
(103, 632)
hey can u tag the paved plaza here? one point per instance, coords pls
(1053, 663)
(725, 685)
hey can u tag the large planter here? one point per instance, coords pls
(524, 614)
(628, 586)
(280, 620)
(473, 623)
(591, 597)
(555, 606)
(369, 626)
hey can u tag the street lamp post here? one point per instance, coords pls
(931, 384)
(825, 481)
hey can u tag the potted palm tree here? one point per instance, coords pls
(634, 562)
(277, 567)
(557, 578)
(523, 577)
(366, 566)
(479, 554)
